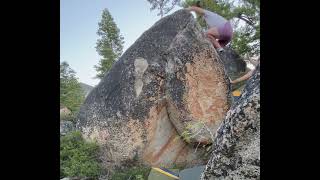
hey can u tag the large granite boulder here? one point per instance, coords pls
(169, 83)
(236, 147)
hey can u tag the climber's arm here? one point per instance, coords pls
(196, 9)
(242, 78)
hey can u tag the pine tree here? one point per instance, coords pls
(110, 44)
(164, 6)
(71, 94)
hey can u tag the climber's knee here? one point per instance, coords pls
(213, 40)
(213, 32)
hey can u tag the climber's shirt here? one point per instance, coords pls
(224, 26)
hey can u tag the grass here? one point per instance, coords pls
(134, 173)
(77, 157)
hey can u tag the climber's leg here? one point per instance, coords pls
(214, 32)
(213, 40)
(213, 35)
(196, 9)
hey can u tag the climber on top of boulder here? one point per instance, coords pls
(220, 30)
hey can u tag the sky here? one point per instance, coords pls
(79, 24)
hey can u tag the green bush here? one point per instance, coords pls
(77, 157)
(134, 173)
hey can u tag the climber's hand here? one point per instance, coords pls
(232, 82)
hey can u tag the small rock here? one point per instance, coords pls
(66, 126)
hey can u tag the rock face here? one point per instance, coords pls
(234, 65)
(236, 148)
(86, 88)
(169, 82)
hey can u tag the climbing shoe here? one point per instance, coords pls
(220, 49)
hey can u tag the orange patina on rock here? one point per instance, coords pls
(206, 96)
(164, 146)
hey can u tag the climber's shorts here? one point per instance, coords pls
(225, 33)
